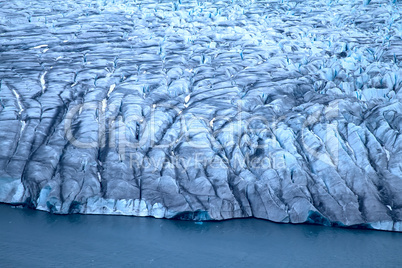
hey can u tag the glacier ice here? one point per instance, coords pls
(289, 111)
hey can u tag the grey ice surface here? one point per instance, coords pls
(204, 110)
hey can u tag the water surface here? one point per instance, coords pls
(31, 238)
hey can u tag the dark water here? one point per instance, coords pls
(36, 239)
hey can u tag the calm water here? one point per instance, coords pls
(36, 239)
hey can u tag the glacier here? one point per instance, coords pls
(289, 111)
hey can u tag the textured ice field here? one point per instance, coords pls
(283, 110)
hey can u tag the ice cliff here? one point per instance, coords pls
(289, 111)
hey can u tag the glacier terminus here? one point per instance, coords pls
(289, 111)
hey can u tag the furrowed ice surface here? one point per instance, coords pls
(205, 110)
